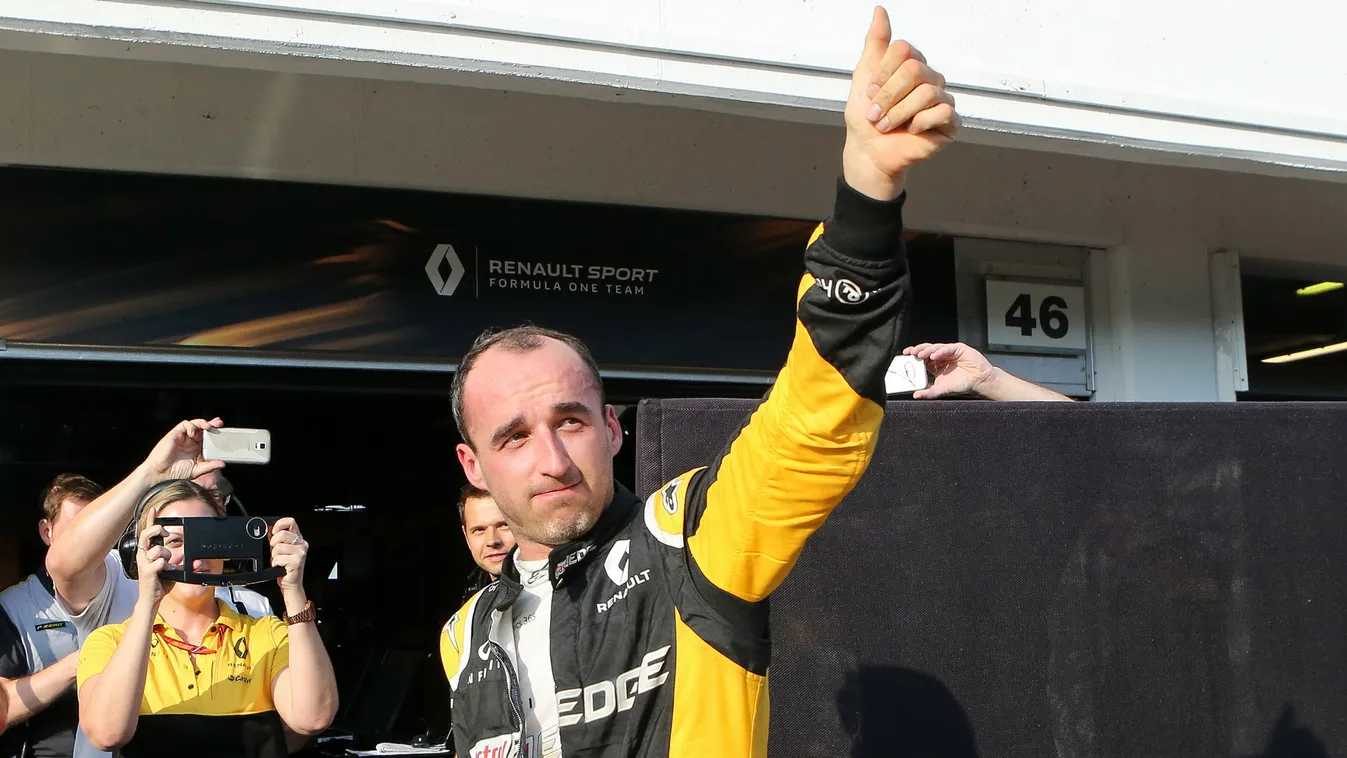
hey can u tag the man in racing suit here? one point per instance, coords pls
(629, 628)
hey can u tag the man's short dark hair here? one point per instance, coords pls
(519, 339)
(80, 489)
(468, 492)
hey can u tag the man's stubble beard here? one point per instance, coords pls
(560, 530)
(554, 533)
(560, 533)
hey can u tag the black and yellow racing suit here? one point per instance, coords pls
(659, 627)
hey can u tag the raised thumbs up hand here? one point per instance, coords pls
(898, 113)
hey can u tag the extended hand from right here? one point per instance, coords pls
(958, 369)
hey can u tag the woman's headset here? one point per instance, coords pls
(127, 546)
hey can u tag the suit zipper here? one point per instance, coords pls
(516, 699)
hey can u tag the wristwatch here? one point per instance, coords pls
(308, 614)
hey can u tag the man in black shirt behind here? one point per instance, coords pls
(488, 535)
(489, 542)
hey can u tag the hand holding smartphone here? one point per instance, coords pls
(237, 445)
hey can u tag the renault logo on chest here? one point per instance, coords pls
(241, 647)
(616, 562)
(618, 567)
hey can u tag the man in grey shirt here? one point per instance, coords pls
(37, 665)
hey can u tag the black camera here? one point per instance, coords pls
(243, 542)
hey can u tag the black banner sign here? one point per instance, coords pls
(109, 259)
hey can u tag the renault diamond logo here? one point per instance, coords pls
(616, 562)
(442, 285)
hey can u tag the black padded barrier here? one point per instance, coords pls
(1074, 580)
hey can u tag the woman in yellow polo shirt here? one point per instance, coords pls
(186, 674)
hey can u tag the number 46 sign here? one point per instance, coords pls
(1032, 316)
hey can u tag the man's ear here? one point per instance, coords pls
(614, 428)
(467, 457)
(44, 531)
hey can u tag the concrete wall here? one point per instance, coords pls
(1201, 58)
(1157, 225)
(1193, 83)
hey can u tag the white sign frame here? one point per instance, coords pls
(1070, 299)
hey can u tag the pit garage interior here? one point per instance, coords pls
(131, 301)
(135, 301)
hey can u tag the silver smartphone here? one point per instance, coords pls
(237, 445)
(906, 374)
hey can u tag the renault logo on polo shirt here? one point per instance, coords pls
(241, 647)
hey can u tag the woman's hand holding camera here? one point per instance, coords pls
(289, 550)
(151, 561)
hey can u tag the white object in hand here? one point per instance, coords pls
(906, 374)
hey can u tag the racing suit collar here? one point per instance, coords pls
(566, 558)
